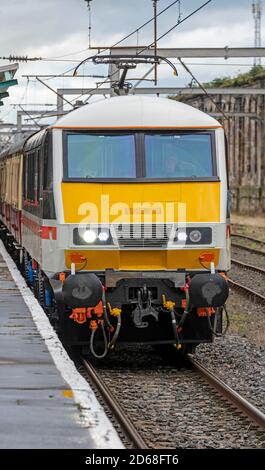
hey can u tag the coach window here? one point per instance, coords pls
(37, 175)
(47, 172)
(32, 177)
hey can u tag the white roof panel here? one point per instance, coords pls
(136, 111)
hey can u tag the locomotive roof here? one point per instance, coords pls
(137, 111)
(27, 143)
(133, 111)
(15, 147)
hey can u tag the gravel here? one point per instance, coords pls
(247, 319)
(244, 242)
(239, 357)
(250, 279)
(249, 230)
(174, 408)
(249, 258)
(239, 363)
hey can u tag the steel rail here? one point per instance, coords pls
(125, 423)
(250, 267)
(247, 237)
(235, 285)
(227, 392)
(247, 248)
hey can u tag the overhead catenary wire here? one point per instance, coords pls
(195, 64)
(147, 47)
(202, 87)
(135, 31)
(30, 116)
(110, 76)
(151, 44)
(54, 91)
(176, 25)
(51, 114)
(115, 44)
(126, 37)
(64, 76)
(181, 61)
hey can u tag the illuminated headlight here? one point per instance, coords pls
(92, 236)
(89, 236)
(195, 236)
(103, 236)
(181, 236)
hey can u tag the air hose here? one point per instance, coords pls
(218, 335)
(92, 337)
(116, 334)
(106, 344)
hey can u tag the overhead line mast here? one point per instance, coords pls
(155, 37)
(257, 13)
(89, 22)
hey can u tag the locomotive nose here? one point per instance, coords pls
(82, 290)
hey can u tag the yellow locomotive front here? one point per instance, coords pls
(140, 192)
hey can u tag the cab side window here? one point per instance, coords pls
(31, 177)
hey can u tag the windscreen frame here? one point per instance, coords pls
(140, 155)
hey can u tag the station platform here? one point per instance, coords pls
(44, 402)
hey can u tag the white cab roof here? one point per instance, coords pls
(136, 111)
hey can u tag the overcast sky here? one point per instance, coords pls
(54, 28)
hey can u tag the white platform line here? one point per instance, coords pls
(93, 415)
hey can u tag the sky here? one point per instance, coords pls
(57, 31)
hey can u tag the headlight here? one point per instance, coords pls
(89, 236)
(195, 236)
(103, 236)
(92, 236)
(181, 236)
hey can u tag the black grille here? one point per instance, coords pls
(143, 235)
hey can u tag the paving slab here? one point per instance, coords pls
(37, 405)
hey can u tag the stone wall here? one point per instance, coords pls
(245, 130)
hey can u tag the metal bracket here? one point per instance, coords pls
(144, 295)
(113, 277)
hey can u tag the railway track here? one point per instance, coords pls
(159, 406)
(250, 267)
(247, 291)
(250, 249)
(246, 266)
(247, 237)
(248, 231)
(242, 288)
(228, 393)
(124, 422)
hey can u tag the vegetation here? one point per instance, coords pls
(257, 72)
(244, 79)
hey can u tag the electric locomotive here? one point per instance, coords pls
(118, 215)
